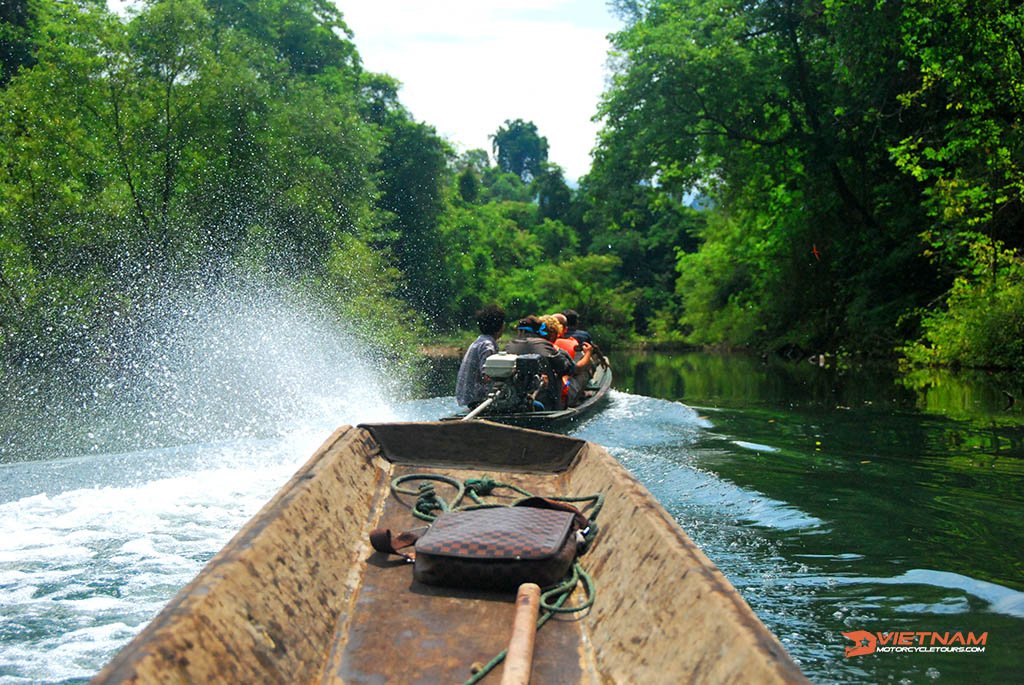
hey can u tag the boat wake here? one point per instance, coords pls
(116, 487)
(655, 439)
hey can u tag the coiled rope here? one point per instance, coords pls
(553, 599)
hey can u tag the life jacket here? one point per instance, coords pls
(567, 344)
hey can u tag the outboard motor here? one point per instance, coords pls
(515, 380)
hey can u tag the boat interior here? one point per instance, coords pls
(299, 595)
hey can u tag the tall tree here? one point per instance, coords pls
(520, 149)
(783, 119)
(169, 144)
(310, 36)
(414, 177)
(554, 197)
(967, 143)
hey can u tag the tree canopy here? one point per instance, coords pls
(830, 175)
(520, 149)
(850, 154)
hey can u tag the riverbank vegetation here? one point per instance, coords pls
(831, 176)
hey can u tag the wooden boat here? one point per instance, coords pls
(298, 596)
(596, 393)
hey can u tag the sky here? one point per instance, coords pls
(468, 65)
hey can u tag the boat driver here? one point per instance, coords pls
(471, 386)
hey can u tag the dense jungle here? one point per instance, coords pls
(222, 235)
(806, 176)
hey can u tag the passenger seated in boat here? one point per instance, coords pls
(574, 384)
(532, 338)
(471, 385)
(572, 319)
(564, 342)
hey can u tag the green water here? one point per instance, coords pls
(862, 501)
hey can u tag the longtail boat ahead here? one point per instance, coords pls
(509, 400)
(300, 596)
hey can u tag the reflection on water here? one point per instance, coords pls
(893, 504)
(833, 502)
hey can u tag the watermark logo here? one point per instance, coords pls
(921, 641)
(864, 643)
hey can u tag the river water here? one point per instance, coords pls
(832, 501)
(850, 500)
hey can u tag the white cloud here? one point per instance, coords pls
(467, 66)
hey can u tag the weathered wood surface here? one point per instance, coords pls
(298, 596)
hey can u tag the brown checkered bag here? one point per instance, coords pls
(497, 548)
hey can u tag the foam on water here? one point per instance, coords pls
(82, 570)
(1000, 599)
(118, 487)
(654, 439)
(633, 421)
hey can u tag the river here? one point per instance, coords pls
(833, 501)
(838, 500)
(845, 500)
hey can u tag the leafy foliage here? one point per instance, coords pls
(848, 152)
(520, 149)
(983, 323)
(145, 151)
(824, 175)
(15, 38)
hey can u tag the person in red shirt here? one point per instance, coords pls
(575, 381)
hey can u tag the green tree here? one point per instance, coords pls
(310, 36)
(784, 118)
(967, 145)
(589, 284)
(554, 197)
(15, 38)
(469, 185)
(983, 322)
(476, 159)
(519, 149)
(501, 186)
(160, 148)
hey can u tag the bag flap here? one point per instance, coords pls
(497, 533)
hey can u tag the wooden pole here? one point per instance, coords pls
(519, 660)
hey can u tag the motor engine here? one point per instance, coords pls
(515, 380)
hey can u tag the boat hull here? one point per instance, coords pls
(553, 420)
(299, 596)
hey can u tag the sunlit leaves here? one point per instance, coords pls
(983, 322)
(174, 141)
(968, 150)
(825, 133)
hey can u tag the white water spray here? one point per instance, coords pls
(119, 486)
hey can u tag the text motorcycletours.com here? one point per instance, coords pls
(920, 642)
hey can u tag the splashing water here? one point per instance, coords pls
(118, 481)
(113, 500)
(241, 360)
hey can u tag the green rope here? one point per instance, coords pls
(427, 499)
(552, 600)
(565, 588)
(597, 499)
(549, 610)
